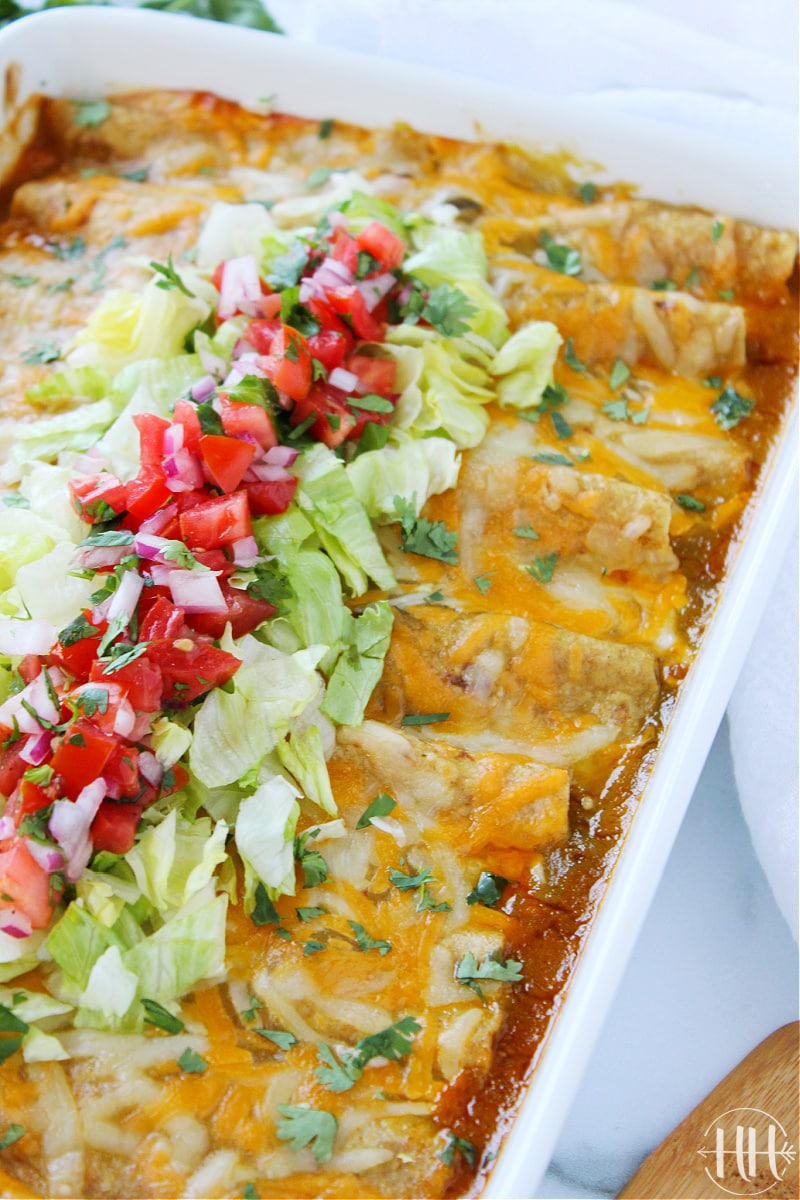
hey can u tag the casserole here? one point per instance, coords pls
(710, 692)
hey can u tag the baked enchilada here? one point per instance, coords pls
(368, 495)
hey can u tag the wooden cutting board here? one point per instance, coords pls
(742, 1140)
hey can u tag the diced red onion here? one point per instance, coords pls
(183, 471)
(158, 521)
(100, 611)
(70, 823)
(241, 368)
(48, 857)
(266, 473)
(213, 363)
(196, 591)
(150, 768)
(36, 696)
(37, 748)
(373, 290)
(337, 219)
(124, 719)
(15, 923)
(280, 456)
(346, 380)
(7, 828)
(173, 438)
(149, 545)
(311, 289)
(333, 274)
(90, 463)
(126, 597)
(239, 285)
(285, 401)
(26, 636)
(141, 727)
(94, 558)
(245, 552)
(404, 296)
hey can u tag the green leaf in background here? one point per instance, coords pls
(249, 13)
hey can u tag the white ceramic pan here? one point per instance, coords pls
(85, 53)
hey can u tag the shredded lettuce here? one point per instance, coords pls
(169, 741)
(328, 501)
(303, 756)
(19, 955)
(264, 833)
(524, 365)
(48, 592)
(111, 987)
(359, 666)
(24, 538)
(414, 468)
(44, 486)
(75, 385)
(75, 430)
(233, 731)
(187, 948)
(446, 256)
(76, 942)
(176, 859)
(361, 209)
(38, 1046)
(230, 231)
(129, 326)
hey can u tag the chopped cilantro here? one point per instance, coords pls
(191, 1062)
(717, 230)
(462, 1145)
(434, 598)
(730, 407)
(692, 279)
(542, 567)
(370, 403)
(264, 911)
(425, 718)
(552, 459)
(249, 1192)
(42, 352)
(336, 1075)
(287, 268)
(314, 1127)
(366, 264)
(161, 1017)
(447, 309)
(268, 584)
(137, 176)
(210, 420)
(727, 294)
(309, 914)
(561, 425)
(420, 536)
(426, 902)
(525, 531)
(712, 381)
(560, 257)
(313, 947)
(468, 971)
(664, 285)
(381, 806)
(620, 373)
(588, 192)
(616, 410)
(13, 1133)
(325, 129)
(93, 700)
(280, 1037)
(14, 500)
(41, 776)
(76, 631)
(90, 113)
(366, 942)
(319, 176)
(109, 537)
(311, 862)
(483, 582)
(170, 277)
(22, 281)
(689, 502)
(571, 358)
(488, 890)
(407, 883)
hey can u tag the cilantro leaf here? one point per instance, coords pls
(542, 567)
(309, 914)
(571, 358)
(287, 268)
(717, 230)
(393, 1043)
(336, 1075)
(264, 912)
(268, 584)
(76, 631)
(561, 425)
(664, 285)
(690, 503)
(432, 539)
(526, 531)
(90, 113)
(11, 1135)
(483, 582)
(10, 1022)
(42, 352)
(381, 806)
(616, 410)
(191, 1062)
(302, 1127)
(620, 373)
(464, 1147)
(468, 971)
(280, 1037)
(552, 459)
(170, 277)
(407, 883)
(425, 718)
(161, 1017)
(730, 407)
(311, 862)
(560, 257)
(366, 942)
(325, 129)
(426, 902)
(447, 308)
(587, 192)
(488, 890)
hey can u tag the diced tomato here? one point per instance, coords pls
(140, 680)
(381, 243)
(367, 418)
(115, 825)
(216, 278)
(151, 438)
(226, 458)
(27, 885)
(345, 250)
(146, 493)
(245, 613)
(121, 773)
(322, 403)
(328, 347)
(162, 620)
(273, 496)
(329, 321)
(186, 415)
(12, 767)
(30, 667)
(289, 365)
(81, 757)
(28, 798)
(374, 374)
(349, 301)
(217, 522)
(243, 420)
(261, 333)
(77, 658)
(191, 671)
(94, 495)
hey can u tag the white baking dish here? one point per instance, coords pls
(84, 53)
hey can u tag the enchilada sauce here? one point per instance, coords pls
(207, 147)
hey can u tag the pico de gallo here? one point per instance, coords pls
(172, 550)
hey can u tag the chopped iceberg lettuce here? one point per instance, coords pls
(361, 209)
(44, 486)
(327, 499)
(48, 592)
(24, 538)
(303, 756)
(76, 942)
(75, 430)
(414, 468)
(446, 255)
(187, 948)
(176, 859)
(75, 384)
(230, 231)
(524, 365)
(169, 741)
(264, 833)
(360, 666)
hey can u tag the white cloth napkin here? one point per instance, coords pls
(728, 69)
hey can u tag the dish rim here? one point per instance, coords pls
(708, 170)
